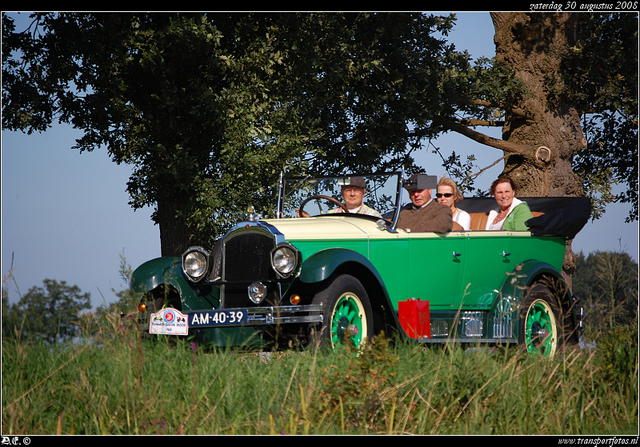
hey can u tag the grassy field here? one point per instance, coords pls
(119, 384)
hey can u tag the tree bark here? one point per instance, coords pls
(531, 44)
(175, 235)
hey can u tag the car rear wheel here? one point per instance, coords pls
(541, 328)
(347, 316)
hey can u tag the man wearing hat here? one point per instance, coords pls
(353, 194)
(424, 213)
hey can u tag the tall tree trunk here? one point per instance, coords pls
(531, 45)
(174, 232)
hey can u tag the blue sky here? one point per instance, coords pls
(65, 215)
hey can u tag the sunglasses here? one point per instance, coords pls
(446, 194)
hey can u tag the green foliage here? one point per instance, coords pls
(461, 172)
(617, 353)
(600, 75)
(360, 386)
(113, 314)
(210, 108)
(48, 314)
(607, 283)
(126, 386)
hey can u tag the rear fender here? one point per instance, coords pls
(531, 272)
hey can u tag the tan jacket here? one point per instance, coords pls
(431, 217)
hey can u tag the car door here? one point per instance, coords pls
(389, 253)
(436, 268)
(488, 262)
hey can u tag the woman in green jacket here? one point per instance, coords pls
(511, 213)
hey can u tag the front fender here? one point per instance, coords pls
(323, 264)
(165, 270)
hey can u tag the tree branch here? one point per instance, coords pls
(513, 110)
(475, 122)
(511, 148)
(484, 169)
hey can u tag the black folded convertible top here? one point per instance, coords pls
(563, 216)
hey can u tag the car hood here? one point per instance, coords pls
(324, 227)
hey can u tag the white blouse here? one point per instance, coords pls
(463, 218)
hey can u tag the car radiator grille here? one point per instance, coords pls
(246, 259)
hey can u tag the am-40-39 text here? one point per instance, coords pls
(217, 318)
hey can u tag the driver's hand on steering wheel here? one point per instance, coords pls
(304, 213)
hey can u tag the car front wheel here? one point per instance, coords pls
(347, 315)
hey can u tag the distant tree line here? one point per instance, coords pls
(48, 314)
(607, 283)
(59, 313)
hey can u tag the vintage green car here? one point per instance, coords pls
(339, 278)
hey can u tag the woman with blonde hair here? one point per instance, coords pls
(448, 194)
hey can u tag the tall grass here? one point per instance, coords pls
(118, 383)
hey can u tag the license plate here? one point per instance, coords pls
(211, 318)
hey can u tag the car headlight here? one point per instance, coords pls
(195, 263)
(284, 260)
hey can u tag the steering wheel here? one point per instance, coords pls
(319, 196)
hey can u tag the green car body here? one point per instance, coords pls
(352, 276)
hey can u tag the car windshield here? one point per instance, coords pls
(314, 194)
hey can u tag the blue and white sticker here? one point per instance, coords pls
(169, 321)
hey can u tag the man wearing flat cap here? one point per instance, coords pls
(424, 213)
(353, 194)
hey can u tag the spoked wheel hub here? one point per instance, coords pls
(347, 314)
(345, 330)
(538, 334)
(348, 322)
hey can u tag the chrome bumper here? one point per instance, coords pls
(242, 317)
(257, 316)
(285, 314)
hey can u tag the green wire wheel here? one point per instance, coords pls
(541, 331)
(348, 321)
(347, 317)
